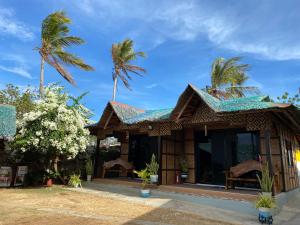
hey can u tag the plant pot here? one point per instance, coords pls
(184, 175)
(268, 194)
(49, 182)
(89, 178)
(153, 179)
(265, 212)
(145, 193)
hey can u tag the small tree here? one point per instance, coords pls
(55, 128)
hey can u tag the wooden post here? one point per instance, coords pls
(269, 154)
(159, 157)
(96, 164)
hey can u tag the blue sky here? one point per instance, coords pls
(181, 39)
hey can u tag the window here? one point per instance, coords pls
(290, 158)
(246, 147)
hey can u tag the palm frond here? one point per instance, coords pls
(67, 41)
(71, 59)
(60, 69)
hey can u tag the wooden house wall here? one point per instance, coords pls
(124, 150)
(290, 172)
(171, 147)
(275, 157)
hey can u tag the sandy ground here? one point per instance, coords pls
(58, 205)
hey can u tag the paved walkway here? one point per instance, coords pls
(290, 213)
(227, 210)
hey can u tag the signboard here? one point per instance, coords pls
(20, 175)
(5, 176)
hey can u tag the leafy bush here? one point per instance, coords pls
(75, 180)
(89, 167)
(265, 181)
(144, 175)
(265, 201)
(183, 165)
(153, 166)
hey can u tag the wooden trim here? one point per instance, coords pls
(108, 119)
(184, 106)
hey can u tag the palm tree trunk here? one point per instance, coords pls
(115, 88)
(42, 77)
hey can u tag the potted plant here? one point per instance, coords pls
(49, 177)
(266, 181)
(153, 169)
(184, 168)
(75, 181)
(265, 204)
(144, 175)
(89, 170)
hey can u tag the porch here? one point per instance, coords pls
(189, 189)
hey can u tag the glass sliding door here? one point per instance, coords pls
(246, 147)
(220, 150)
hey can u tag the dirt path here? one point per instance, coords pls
(58, 206)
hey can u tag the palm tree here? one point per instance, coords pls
(122, 56)
(229, 72)
(54, 39)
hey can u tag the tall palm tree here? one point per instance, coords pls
(229, 72)
(122, 56)
(54, 39)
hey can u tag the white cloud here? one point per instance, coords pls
(12, 27)
(243, 27)
(14, 64)
(150, 86)
(17, 70)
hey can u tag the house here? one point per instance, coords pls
(211, 134)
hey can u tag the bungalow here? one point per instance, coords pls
(212, 135)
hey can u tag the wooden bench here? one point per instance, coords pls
(235, 173)
(122, 164)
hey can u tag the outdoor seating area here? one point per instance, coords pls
(235, 173)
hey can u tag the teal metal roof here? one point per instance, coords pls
(237, 104)
(124, 111)
(130, 115)
(150, 115)
(7, 121)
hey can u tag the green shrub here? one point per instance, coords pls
(75, 180)
(144, 175)
(153, 166)
(264, 201)
(89, 167)
(265, 181)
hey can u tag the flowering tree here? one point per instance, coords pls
(56, 126)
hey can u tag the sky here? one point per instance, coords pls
(181, 40)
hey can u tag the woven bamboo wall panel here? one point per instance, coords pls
(236, 119)
(165, 129)
(256, 121)
(176, 126)
(155, 131)
(204, 114)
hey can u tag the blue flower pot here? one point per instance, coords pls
(145, 193)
